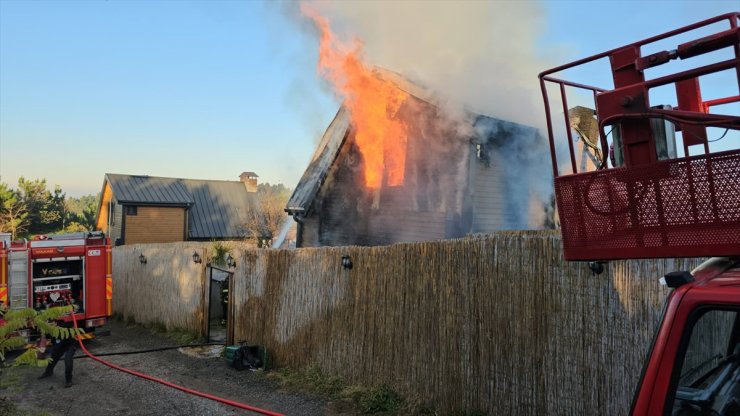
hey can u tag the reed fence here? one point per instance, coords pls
(167, 290)
(498, 323)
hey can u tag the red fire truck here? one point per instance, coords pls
(628, 186)
(58, 270)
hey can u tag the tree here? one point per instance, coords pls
(13, 213)
(11, 321)
(268, 214)
(45, 210)
(81, 213)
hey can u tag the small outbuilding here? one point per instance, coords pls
(149, 209)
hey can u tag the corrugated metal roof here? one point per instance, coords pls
(221, 209)
(217, 209)
(138, 189)
(322, 159)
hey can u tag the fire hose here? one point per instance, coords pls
(167, 383)
(175, 347)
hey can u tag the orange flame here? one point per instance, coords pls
(371, 101)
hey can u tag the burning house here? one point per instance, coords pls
(431, 175)
(397, 164)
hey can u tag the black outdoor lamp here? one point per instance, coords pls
(346, 262)
(196, 257)
(230, 261)
(142, 258)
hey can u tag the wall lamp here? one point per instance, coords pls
(196, 258)
(597, 267)
(346, 262)
(142, 258)
(230, 262)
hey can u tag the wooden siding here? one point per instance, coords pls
(407, 226)
(116, 228)
(155, 225)
(488, 195)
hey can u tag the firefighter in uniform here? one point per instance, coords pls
(62, 347)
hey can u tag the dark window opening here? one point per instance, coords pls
(131, 210)
(707, 382)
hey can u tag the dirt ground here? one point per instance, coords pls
(100, 390)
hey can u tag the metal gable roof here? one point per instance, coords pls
(138, 189)
(221, 209)
(217, 209)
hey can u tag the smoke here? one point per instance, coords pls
(527, 174)
(478, 54)
(473, 57)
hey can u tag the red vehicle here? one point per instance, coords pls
(58, 270)
(642, 190)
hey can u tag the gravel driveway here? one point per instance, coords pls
(100, 390)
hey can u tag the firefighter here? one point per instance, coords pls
(62, 347)
(224, 299)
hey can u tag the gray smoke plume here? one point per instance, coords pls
(479, 54)
(476, 57)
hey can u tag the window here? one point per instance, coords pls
(708, 382)
(131, 210)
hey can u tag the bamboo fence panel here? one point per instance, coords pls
(497, 323)
(168, 290)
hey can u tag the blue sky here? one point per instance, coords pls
(210, 89)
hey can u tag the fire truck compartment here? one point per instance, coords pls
(57, 282)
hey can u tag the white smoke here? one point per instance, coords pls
(479, 54)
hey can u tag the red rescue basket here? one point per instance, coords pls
(638, 180)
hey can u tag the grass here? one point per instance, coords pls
(363, 400)
(353, 399)
(310, 380)
(8, 408)
(10, 380)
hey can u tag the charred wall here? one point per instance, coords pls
(461, 176)
(431, 203)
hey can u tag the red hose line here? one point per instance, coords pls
(168, 384)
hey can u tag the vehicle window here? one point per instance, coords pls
(709, 382)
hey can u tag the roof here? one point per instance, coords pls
(153, 190)
(221, 208)
(322, 159)
(216, 209)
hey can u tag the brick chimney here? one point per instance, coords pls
(250, 181)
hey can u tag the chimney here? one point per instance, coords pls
(250, 181)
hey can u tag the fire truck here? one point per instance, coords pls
(58, 270)
(642, 171)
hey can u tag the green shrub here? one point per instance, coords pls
(220, 251)
(19, 319)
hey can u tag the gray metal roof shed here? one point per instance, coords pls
(216, 209)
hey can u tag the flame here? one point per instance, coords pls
(372, 102)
